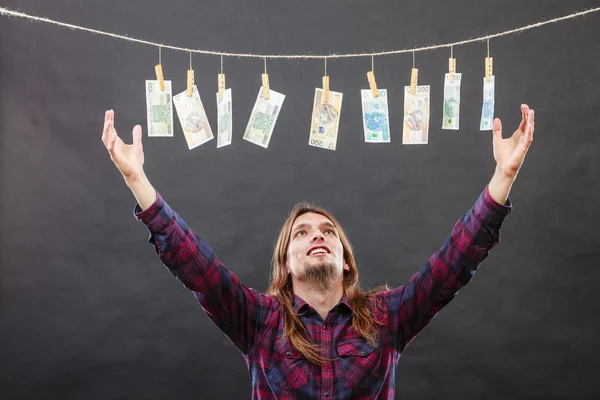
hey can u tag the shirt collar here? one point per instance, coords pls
(300, 305)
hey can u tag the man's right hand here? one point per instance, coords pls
(129, 158)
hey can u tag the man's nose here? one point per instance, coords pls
(317, 236)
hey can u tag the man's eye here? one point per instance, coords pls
(330, 231)
(299, 233)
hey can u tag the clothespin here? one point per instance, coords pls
(265, 82)
(451, 66)
(221, 78)
(371, 78)
(489, 67)
(325, 84)
(159, 71)
(414, 77)
(190, 78)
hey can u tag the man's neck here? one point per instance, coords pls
(321, 300)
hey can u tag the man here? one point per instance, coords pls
(315, 334)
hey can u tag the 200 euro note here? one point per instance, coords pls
(192, 116)
(262, 120)
(376, 121)
(224, 119)
(159, 109)
(416, 115)
(451, 111)
(325, 120)
(487, 109)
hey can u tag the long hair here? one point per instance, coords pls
(281, 287)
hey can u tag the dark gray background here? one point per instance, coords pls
(88, 311)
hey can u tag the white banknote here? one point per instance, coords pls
(224, 119)
(451, 111)
(262, 120)
(416, 115)
(487, 109)
(192, 116)
(159, 109)
(325, 120)
(376, 120)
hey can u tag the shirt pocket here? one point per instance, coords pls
(360, 362)
(289, 368)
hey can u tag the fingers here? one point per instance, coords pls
(524, 112)
(497, 129)
(105, 130)
(137, 135)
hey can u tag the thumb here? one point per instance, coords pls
(137, 135)
(497, 129)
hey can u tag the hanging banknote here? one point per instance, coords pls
(451, 112)
(487, 110)
(224, 119)
(325, 120)
(376, 122)
(192, 116)
(159, 109)
(416, 115)
(263, 118)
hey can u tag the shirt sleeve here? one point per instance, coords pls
(235, 309)
(412, 306)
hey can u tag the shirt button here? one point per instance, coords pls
(326, 394)
(288, 353)
(325, 327)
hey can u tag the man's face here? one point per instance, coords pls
(315, 254)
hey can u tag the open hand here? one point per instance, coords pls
(129, 158)
(510, 153)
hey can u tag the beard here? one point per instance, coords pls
(320, 277)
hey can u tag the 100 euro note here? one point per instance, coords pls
(224, 119)
(159, 109)
(262, 120)
(325, 120)
(192, 116)
(487, 109)
(451, 112)
(416, 115)
(376, 122)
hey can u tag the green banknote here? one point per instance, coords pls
(159, 109)
(262, 120)
(487, 109)
(224, 119)
(451, 111)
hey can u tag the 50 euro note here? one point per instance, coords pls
(451, 111)
(192, 117)
(262, 120)
(325, 120)
(159, 109)
(487, 109)
(376, 122)
(224, 119)
(416, 115)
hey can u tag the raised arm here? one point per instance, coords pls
(412, 306)
(237, 310)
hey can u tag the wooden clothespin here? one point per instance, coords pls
(372, 83)
(371, 78)
(159, 71)
(190, 78)
(265, 82)
(451, 66)
(414, 77)
(489, 65)
(325, 89)
(221, 84)
(489, 68)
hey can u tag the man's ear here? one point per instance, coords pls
(346, 267)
